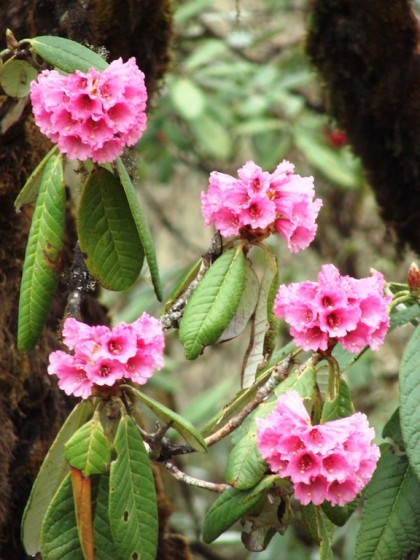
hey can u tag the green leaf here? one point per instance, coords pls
(339, 515)
(211, 137)
(43, 252)
(142, 227)
(410, 399)
(392, 430)
(339, 407)
(400, 317)
(191, 435)
(245, 466)
(318, 528)
(16, 76)
(182, 284)
(246, 306)
(255, 355)
(102, 535)
(132, 497)
(302, 380)
(214, 303)
(30, 189)
(205, 52)
(59, 536)
(52, 472)
(391, 513)
(333, 164)
(232, 505)
(88, 450)
(190, 9)
(67, 55)
(188, 99)
(107, 231)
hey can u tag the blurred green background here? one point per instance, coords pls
(240, 87)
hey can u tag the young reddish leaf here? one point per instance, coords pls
(83, 509)
(51, 474)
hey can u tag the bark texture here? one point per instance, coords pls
(31, 407)
(367, 54)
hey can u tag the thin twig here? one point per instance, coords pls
(172, 317)
(276, 377)
(191, 480)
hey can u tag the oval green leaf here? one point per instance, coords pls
(391, 511)
(102, 535)
(16, 76)
(213, 304)
(30, 189)
(88, 450)
(188, 99)
(132, 496)
(107, 231)
(339, 407)
(67, 55)
(142, 226)
(191, 435)
(231, 506)
(51, 474)
(340, 515)
(43, 253)
(410, 399)
(245, 466)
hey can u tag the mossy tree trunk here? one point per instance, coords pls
(31, 406)
(367, 55)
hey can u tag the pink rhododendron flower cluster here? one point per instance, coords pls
(332, 461)
(92, 115)
(103, 356)
(336, 308)
(259, 203)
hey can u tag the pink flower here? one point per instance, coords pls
(335, 309)
(259, 203)
(93, 115)
(332, 461)
(103, 356)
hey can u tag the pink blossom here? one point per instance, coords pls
(104, 356)
(332, 461)
(258, 203)
(335, 309)
(93, 115)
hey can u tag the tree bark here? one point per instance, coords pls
(367, 55)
